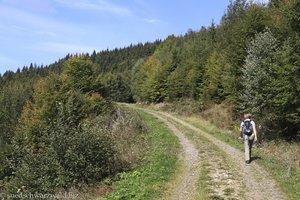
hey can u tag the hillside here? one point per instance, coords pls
(248, 62)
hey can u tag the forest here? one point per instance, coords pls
(250, 61)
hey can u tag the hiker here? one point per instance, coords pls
(248, 133)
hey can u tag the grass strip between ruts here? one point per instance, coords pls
(286, 175)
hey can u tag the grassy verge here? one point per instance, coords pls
(150, 179)
(286, 174)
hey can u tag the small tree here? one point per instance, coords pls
(78, 73)
(257, 74)
(213, 89)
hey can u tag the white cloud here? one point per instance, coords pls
(46, 33)
(22, 24)
(98, 5)
(32, 5)
(18, 18)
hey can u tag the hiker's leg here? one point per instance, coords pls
(247, 147)
(250, 140)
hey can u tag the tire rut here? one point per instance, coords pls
(258, 184)
(188, 180)
(255, 181)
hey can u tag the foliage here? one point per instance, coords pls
(235, 62)
(213, 89)
(53, 134)
(123, 59)
(61, 157)
(257, 72)
(271, 89)
(117, 87)
(294, 16)
(78, 73)
(149, 180)
(285, 87)
(70, 91)
(238, 61)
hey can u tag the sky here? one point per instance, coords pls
(43, 31)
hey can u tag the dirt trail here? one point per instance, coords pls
(189, 177)
(255, 180)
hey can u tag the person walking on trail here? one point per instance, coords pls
(249, 135)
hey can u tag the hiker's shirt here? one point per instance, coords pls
(251, 121)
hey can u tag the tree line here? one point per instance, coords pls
(67, 134)
(250, 60)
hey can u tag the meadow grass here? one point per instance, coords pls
(159, 166)
(282, 168)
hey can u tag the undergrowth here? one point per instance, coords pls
(149, 180)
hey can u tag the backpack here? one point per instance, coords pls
(247, 127)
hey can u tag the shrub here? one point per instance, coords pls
(126, 128)
(64, 156)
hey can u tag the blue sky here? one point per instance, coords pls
(42, 31)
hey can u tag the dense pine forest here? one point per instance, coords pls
(49, 115)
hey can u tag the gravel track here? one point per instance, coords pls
(257, 184)
(186, 186)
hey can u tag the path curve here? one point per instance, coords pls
(259, 184)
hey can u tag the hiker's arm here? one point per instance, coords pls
(255, 133)
(241, 134)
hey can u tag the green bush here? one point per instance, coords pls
(64, 156)
(69, 136)
(84, 154)
(127, 130)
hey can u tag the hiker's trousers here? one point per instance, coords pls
(248, 141)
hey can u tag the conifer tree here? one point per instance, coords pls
(285, 90)
(257, 73)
